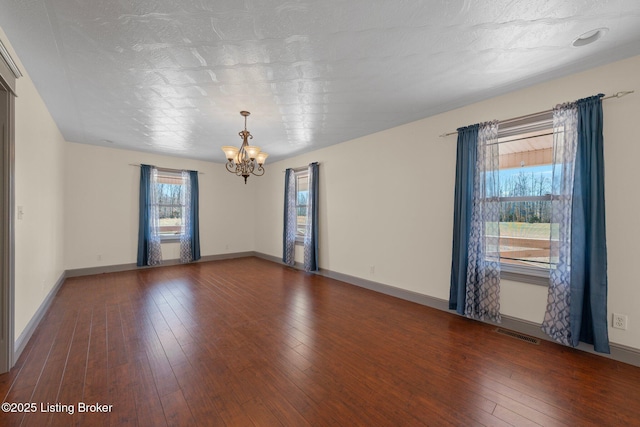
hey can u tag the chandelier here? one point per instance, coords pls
(246, 160)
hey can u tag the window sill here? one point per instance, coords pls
(531, 275)
(170, 239)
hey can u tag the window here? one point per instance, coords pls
(302, 203)
(171, 204)
(525, 174)
(301, 216)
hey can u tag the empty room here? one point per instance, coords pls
(337, 213)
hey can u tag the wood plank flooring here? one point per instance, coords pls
(249, 342)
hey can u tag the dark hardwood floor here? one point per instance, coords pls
(249, 342)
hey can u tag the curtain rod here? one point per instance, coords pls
(301, 168)
(540, 113)
(164, 169)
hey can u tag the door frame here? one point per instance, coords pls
(9, 72)
(6, 232)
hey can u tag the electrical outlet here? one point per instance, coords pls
(372, 270)
(620, 321)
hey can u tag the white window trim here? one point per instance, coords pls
(524, 274)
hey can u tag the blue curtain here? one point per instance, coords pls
(588, 232)
(462, 206)
(149, 249)
(311, 234)
(190, 239)
(577, 301)
(143, 217)
(195, 216)
(289, 229)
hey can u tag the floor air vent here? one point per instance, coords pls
(518, 336)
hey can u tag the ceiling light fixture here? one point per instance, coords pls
(246, 160)
(589, 37)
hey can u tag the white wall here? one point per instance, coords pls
(101, 217)
(39, 189)
(396, 212)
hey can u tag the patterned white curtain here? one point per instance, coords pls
(290, 219)
(311, 227)
(154, 246)
(556, 322)
(483, 270)
(186, 235)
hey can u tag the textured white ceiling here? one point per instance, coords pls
(170, 76)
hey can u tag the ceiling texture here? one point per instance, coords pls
(171, 76)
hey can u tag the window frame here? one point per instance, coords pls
(297, 175)
(521, 273)
(169, 173)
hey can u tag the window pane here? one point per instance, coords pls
(169, 194)
(169, 178)
(302, 199)
(171, 211)
(525, 207)
(302, 190)
(522, 242)
(301, 222)
(171, 219)
(302, 183)
(526, 181)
